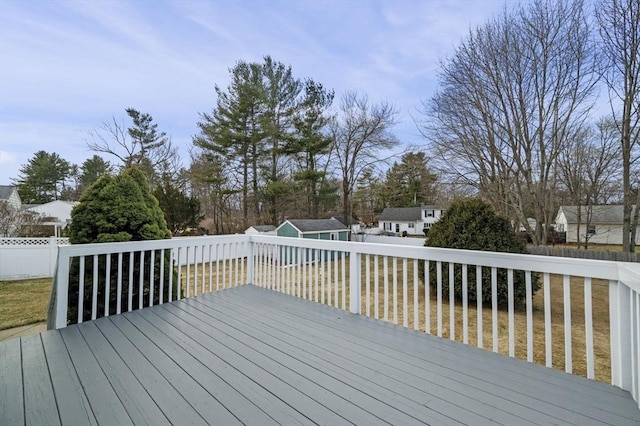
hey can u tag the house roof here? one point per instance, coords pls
(599, 214)
(354, 220)
(264, 228)
(6, 191)
(403, 214)
(317, 225)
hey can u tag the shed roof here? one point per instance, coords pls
(611, 214)
(317, 225)
(403, 214)
(264, 228)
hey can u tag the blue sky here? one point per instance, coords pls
(66, 67)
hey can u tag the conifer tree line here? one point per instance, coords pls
(513, 120)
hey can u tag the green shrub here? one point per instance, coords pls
(473, 225)
(118, 209)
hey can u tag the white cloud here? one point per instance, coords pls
(68, 66)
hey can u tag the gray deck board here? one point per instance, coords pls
(139, 404)
(309, 398)
(336, 354)
(548, 401)
(524, 377)
(73, 404)
(251, 356)
(381, 361)
(185, 398)
(340, 390)
(189, 359)
(11, 389)
(337, 365)
(105, 404)
(40, 401)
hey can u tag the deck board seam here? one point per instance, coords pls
(314, 367)
(479, 401)
(303, 351)
(440, 343)
(271, 373)
(213, 372)
(552, 403)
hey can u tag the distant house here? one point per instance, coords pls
(261, 229)
(319, 229)
(412, 220)
(9, 194)
(56, 213)
(601, 224)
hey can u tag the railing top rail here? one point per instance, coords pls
(124, 247)
(608, 270)
(602, 269)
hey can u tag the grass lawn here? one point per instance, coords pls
(24, 302)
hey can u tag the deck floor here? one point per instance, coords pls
(253, 356)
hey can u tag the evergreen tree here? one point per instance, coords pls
(180, 211)
(311, 142)
(282, 103)
(43, 178)
(92, 169)
(232, 131)
(115, 209)
(410, 183)
(474, 225)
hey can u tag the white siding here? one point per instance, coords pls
(61, 210)
(605, 233)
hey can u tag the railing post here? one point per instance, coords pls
(620, 323)
(250, 261)
(61, 291)
(354, 281)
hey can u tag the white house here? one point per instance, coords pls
(56, 213)
(601, 224)
(261, 229)
(9, 194)
(412, 220)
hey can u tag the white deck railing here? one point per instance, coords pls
(384, 282)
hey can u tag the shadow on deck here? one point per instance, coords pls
(248, 355)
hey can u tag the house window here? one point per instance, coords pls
(426, 226)
(412, 225)
(428, 213)
(397, 227)
(591, 230)
(334, 235)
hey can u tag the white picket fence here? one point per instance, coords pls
(382, 281)
(23, 258)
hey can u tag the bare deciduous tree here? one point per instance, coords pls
(619, 22)
(515, 91)
(361, 134)
(140, 145)
(10, 220)
(589, 169)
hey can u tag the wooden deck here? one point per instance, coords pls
(252, 356)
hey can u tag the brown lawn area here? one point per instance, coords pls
(24, 302)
